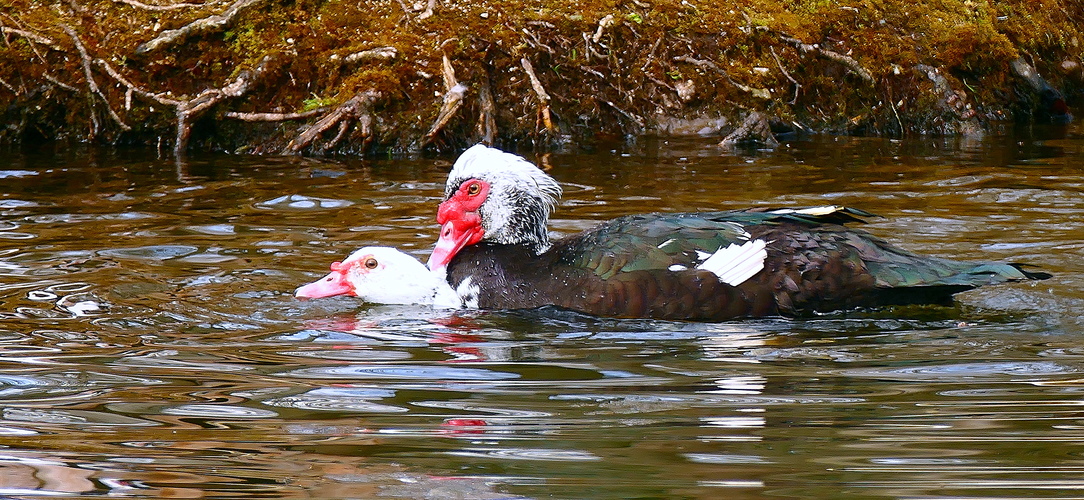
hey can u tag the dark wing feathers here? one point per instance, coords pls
(654, 242)
(833, 267)
(807, 215)
(894, 267)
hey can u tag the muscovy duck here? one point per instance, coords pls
(711, 266)
(383, 275)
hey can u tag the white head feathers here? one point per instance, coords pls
(384, 275)
(520, 200)
(484, 162)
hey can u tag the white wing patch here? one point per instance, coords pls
(736, 263)
(815, 211)
(676, 267)
(468, 291)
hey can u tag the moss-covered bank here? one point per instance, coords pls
(311, 76)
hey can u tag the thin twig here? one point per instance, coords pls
(635, 119)
(34, 47)
(432, 4)
(797, 86)
(133, 88)
(58, 83)
(897, 115)
(91, 83)
(651, 54)
(30, 35)
(536, 42)
(8, 86)
(407, 12)
(377, 54)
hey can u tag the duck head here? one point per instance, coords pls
(383, 275)
(496, 197)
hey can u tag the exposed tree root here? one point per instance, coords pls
(273, 117)
(377, 54)
(429, 7)
(188, 111)
(487, 115)
(453, 100)
(529, 75)
(761, 93)
(607, 21)
(210, 23)
(843, 59)
(754, 129)
(358, 108)
(175, 6)
(544, 115)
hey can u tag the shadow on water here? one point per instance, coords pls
(150, 345)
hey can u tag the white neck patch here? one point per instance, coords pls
(468, 292)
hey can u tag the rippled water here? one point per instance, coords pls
(150, 345)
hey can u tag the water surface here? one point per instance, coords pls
(150, 345)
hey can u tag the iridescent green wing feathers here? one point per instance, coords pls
(895, 268)
(683, 240)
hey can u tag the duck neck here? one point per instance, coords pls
(525, 224)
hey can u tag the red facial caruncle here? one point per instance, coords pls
(461, 224)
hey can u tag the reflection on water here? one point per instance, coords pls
(150, 345)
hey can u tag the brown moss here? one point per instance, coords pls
(610, 68)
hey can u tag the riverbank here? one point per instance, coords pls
(312, 77)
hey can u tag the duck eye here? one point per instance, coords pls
(371, 263)
(474, 188)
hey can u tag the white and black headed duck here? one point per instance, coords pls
(700, 266)
(507, 205)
